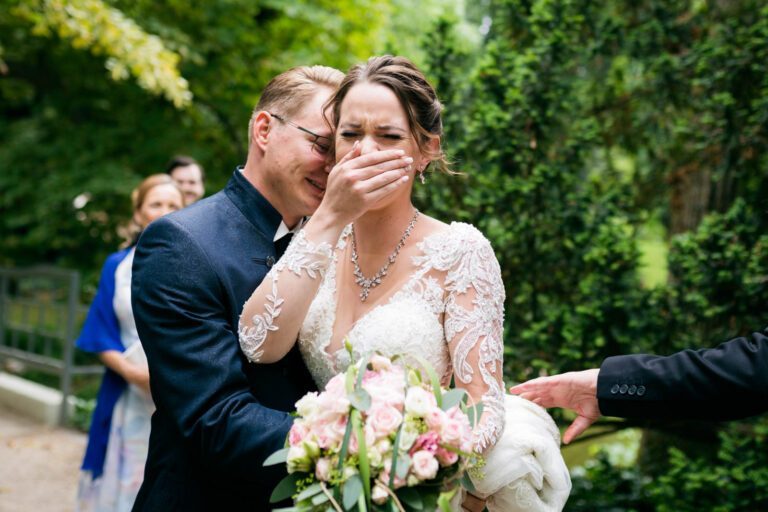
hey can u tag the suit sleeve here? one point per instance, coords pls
(722, 383)
(194, 357)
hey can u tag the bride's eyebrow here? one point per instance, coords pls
(389, 127)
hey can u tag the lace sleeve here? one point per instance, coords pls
(474, 318)
(275, 315)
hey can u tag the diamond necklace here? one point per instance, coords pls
(368, 284)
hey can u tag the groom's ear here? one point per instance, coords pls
(262, 125)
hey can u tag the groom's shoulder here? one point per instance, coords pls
(201, 218)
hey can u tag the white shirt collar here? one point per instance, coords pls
(283, 230)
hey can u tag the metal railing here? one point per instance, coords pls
(39, 317)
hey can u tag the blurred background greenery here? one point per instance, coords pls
(614, 152)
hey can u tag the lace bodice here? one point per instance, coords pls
(450, 311)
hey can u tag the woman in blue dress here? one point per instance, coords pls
(113, 467)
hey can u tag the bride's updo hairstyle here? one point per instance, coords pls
(416, 95)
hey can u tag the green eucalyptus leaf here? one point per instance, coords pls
(452, 398)
(286, 488)
(279, 457)
(351, 491)
(360, 399)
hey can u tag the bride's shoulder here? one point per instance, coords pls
(460, 232)
(456, 240)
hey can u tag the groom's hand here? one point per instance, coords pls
(576, 391)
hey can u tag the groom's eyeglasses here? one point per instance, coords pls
(320, 144)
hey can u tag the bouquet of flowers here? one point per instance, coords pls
(379, 438)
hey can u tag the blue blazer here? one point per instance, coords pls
(218, 416)
(727, 382)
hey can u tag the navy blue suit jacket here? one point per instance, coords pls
(218, 417)
(722, 383)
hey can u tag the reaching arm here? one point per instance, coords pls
(272, 316)
(729, 381)
(474, 321)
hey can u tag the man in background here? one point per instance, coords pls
(189, 176)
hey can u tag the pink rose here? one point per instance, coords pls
(452, 432)
(297, 433)
(426, 442)
(424, 465)
(384, 420)
(323, 469)
(435, 419)
(446, 457)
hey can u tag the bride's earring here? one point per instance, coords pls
(422, 178)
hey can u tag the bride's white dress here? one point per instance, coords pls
(450, 312)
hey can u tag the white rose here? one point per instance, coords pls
(424, 465)
(297, 459)
(419, 401)
(307, 407)
(379, 362)
(408, 436)
(379, 495)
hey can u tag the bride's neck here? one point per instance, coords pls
(379, 231)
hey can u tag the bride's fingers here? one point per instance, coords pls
(352, 153)
(380, 193)
(376, 159)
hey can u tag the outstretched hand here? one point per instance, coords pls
(576, 391)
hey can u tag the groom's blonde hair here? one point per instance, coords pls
(288, 92)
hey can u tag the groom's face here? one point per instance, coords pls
(296, 172)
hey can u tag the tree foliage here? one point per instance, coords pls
(73, 127)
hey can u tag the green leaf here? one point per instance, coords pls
(362, 367)
(309, 492)
(452, 398)
(362, 454)
(279, 457)
(286, 488)
(444, 500)
(411, 498)
(349, 379)
(474, 413)
(352, 490)
(403, 465)
(466, 482)
(345, 446)
(319, 499)
(360, 399)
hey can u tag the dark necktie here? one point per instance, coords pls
(282, 244)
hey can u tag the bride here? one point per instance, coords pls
(370, 268)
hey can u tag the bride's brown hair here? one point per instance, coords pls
(416, 95)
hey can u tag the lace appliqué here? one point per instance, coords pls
(301, 255)
(471, 266)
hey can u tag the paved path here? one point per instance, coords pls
(39, 465)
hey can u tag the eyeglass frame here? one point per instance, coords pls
(316, 136)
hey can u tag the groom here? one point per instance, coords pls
(219, 417)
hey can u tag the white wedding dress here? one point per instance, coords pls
(450, 312)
